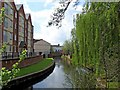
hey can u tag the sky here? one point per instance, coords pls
(40, 11)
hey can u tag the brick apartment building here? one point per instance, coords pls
(16, 29)
(29, 33)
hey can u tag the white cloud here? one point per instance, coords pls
(48, 2)
(41, 18)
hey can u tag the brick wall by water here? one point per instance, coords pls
(28, 61)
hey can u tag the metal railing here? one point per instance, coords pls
(13, 55)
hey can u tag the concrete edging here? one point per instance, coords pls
(30, 79)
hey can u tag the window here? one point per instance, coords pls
(21, 31)
(10, 36)
(10, 23)
(5, 36)
(11, 11)
(21, 20)
(6, 22)
(8, 9)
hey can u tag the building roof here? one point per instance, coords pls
(20, 9)
(18, 6)
(57, 45)
(36, 40)
(28, 17)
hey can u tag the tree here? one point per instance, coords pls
(95, 30)
(97, 37)
(58, 15)
(67, 47)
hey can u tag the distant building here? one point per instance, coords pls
(57, 48)
(42, 46)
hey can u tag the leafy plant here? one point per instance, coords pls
(95, 40)
(1, 15)
(7, 75)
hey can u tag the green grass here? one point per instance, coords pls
(35, 67)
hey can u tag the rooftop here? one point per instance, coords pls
(18, 6)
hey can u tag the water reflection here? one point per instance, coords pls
(67, 76)
(78, 77)
(55, 79)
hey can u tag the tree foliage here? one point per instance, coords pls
(59, 13)
(96, 40)
(98, 34)
(67, 47)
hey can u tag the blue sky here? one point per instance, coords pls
(40, 11)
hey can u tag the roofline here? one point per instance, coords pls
(22, 7)
(42, 40)
(29, 18)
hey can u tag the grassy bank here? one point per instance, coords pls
(35, 67)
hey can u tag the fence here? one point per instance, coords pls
(13, 55)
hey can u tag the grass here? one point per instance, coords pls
(35, 67)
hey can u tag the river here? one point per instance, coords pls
(67, 76)
(57, 79)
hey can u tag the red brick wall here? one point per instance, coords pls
(28, 61)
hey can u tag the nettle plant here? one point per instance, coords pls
(5, 74)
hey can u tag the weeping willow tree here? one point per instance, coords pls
(75, 45)
(98, 34)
